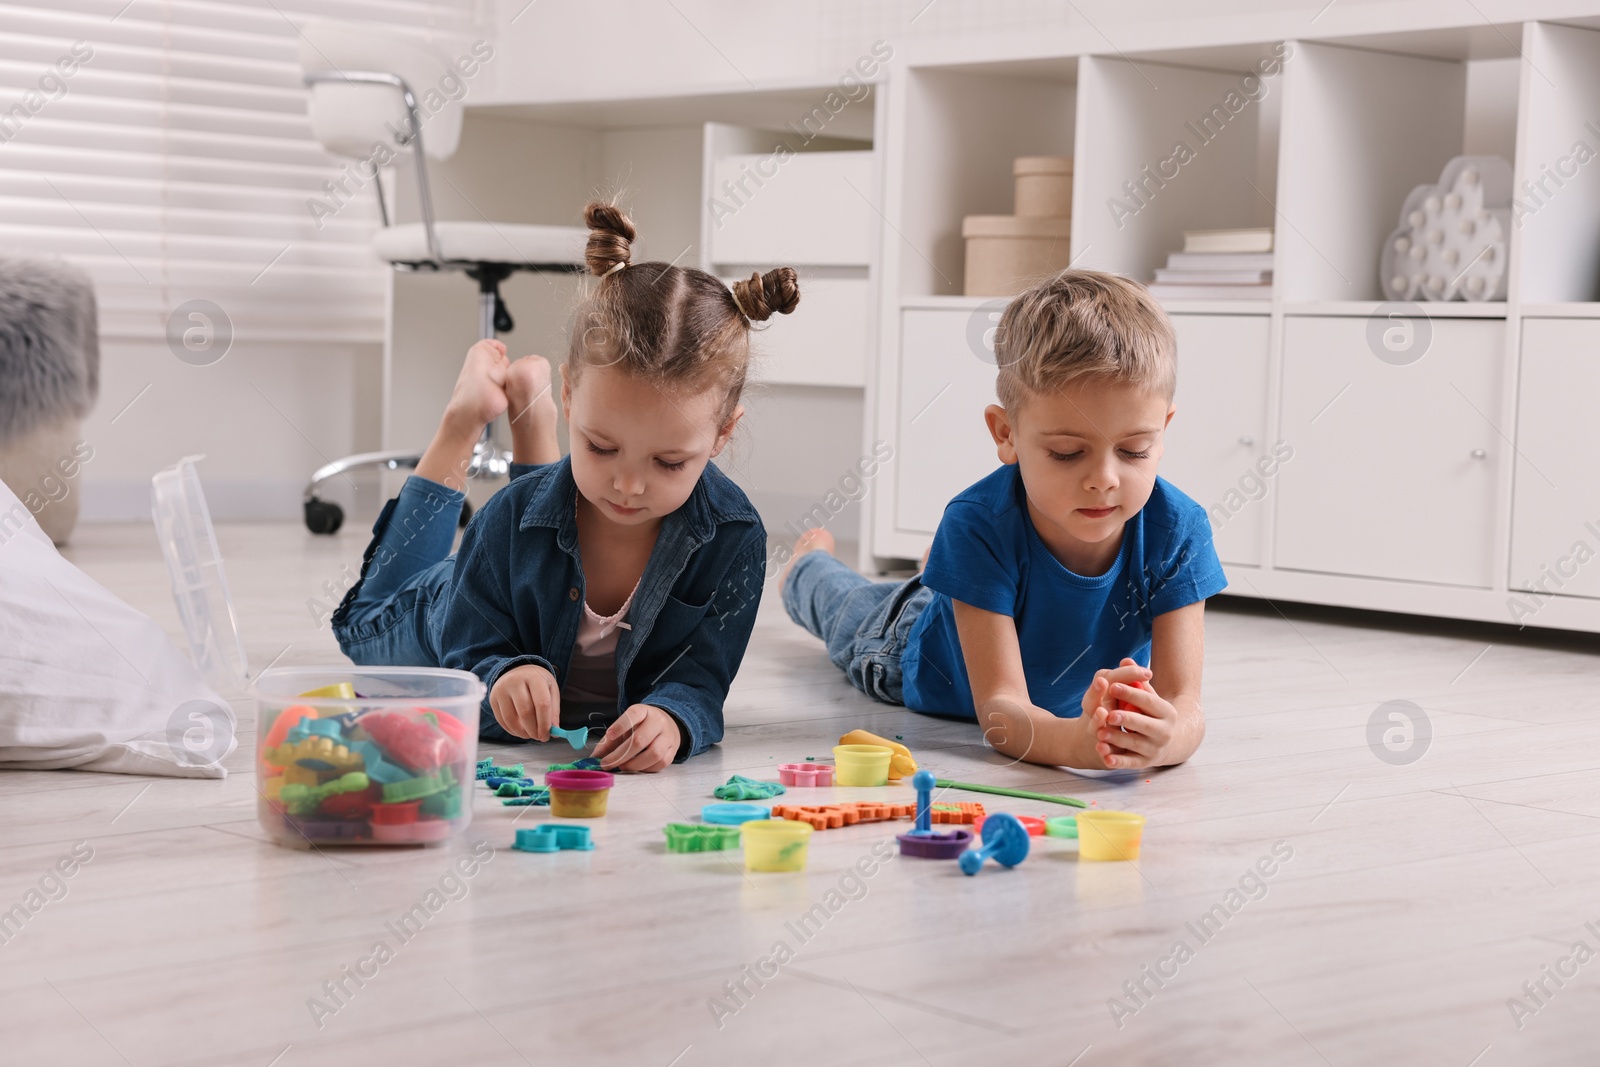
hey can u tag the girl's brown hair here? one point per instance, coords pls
(676, 326)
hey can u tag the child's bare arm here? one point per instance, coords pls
(1169, 722)
(1012, 724)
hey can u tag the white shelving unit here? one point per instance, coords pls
(766, 204)
(660, 153)
(1447, 483)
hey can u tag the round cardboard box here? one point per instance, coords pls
(1007, 253)
(1043, 186)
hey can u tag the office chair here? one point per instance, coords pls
(364, 84)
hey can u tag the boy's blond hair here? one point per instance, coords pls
(1084, 325)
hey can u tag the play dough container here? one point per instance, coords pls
(775, 844)
(861, 764)
(1109, 835)
(578, 794)
(365, 755)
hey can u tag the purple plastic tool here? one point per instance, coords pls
(932, 846)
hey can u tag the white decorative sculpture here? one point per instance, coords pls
(1453, 238)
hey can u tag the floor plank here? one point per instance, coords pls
(1419, 898)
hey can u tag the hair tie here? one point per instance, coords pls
(614, 268)
(738, 304)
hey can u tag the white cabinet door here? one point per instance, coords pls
(824, 342)
(945, 383)
(1216, 446)
(1555, 515)
(810, 208)
(1395, 462)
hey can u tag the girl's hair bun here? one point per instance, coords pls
(762, 296)
(611, 235)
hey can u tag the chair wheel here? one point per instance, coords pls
(466, 514)
(323, 517)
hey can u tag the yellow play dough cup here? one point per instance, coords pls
(774, 844)
(861, 764)
(1109, 835)
(578, 794)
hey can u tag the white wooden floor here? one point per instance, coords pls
(1419, 898)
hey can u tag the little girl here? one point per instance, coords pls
(617, 586)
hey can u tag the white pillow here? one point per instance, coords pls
(88, 682)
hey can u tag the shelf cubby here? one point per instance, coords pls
(963, 127)
(1361, 128)
(1556, 225)
(1163, 148)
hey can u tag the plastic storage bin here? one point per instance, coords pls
(199, 584)
(365, 755)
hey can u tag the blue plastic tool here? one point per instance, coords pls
(922, 841)
(576, 738)
(552, 837)
(379, 769)
(1005, 840)
(733, 814)
(923, 782)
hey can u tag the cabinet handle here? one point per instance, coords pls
(1478, 453)
(1247, 440)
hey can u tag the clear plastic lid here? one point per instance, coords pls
(189, 544)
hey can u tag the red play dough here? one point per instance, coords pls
(412, 742)
(449, 724)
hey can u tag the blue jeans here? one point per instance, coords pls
(387, 618)
(864, 623)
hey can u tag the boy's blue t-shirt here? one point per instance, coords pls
(987, 553)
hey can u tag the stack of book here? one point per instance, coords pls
(1218, 265)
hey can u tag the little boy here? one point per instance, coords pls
(1071, 556)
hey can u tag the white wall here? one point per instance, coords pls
(265, 416)
(569, 50)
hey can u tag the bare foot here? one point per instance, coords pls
(479, 397)
(815, 539)
(532, 410)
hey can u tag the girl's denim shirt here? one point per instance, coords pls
(517, 595)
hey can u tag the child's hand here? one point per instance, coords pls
(1132, 738)
(1099, 694)
(644, 738)
(526, 701)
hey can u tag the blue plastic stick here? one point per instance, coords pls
(923, 782)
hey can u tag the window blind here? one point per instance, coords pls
(163, 145)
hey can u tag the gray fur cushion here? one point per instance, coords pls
(49, 344)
